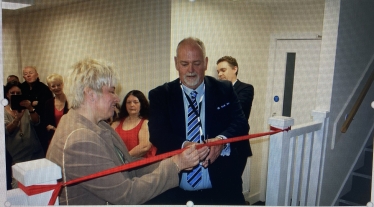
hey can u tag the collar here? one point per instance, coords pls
(199, 89)
(235, 82)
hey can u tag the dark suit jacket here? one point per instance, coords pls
(223, 116)
(245, 94)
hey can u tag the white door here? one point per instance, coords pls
(294, 89)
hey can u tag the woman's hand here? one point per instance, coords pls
(50, 127)
(26, 104)
(187, 159)
(34, 103)
(19, 115)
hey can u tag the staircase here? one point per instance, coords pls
(359, 195)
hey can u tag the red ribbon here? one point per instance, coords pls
(36, 189)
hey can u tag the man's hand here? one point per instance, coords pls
(215, 151)
(203, 152)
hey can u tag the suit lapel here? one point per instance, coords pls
(237, 85)
(177, 112)
(210, 93)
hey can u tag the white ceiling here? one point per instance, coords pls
(40, 5)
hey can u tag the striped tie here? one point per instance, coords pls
(193, 135)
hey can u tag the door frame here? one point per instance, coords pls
(269, 89)
(271, 61)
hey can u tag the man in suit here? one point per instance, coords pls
(218, 115)
(227, 69)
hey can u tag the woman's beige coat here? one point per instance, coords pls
(81, 147)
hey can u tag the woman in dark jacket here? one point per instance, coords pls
(57, 106)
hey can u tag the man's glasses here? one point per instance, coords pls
(15, 93)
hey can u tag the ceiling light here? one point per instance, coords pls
(16, 4)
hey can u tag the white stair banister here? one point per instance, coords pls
(296, 161)
(278, 162)
(319, 144)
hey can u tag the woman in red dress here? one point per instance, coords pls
(132, 125)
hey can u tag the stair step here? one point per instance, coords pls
(368, 157)
(365, 171)
(360, 192)
(361, 185)
(354, 199)
(348, 203)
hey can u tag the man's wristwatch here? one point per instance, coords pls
(32, 111)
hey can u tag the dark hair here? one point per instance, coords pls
(10, 85)
(231, 61)
(13, 76)
(144, 105)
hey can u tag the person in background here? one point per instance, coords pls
(132, 125)
(21, 141)
(9, 162)
(38, 93)
(12, 78)
(227, 69)
(198, 108)
(84, 143)
(55, 107)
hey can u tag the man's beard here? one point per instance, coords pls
(191, 83)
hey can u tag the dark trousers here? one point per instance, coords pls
(242, 162)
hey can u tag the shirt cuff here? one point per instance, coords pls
(226, 148)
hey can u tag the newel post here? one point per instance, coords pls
(278, 162)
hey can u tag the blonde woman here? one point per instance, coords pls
(57, 106)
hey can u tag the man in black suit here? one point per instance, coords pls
(219, 117)
(227, 69)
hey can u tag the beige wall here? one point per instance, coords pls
(133, 35)
(140, 37)
(11, 56)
